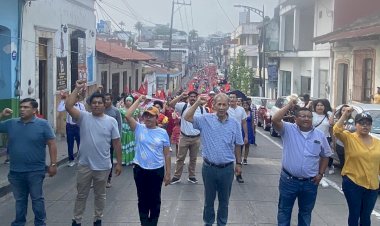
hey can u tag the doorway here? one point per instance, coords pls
(78, 55)
(42, 77)
(342, 83)
(115, 85)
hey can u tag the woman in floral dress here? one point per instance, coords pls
(127, 135)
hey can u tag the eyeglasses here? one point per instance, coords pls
(305, 116)
(365, 123)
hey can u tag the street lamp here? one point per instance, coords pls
(262, 59)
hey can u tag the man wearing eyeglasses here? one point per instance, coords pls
(305, 157)
(27, 140)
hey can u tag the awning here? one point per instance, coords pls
(352, 34)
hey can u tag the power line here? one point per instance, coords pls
(192, 18)
(187, 21)
(226, 14)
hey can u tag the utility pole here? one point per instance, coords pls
(262, 58)
(171, 40)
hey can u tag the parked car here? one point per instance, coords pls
(289, 117)
(258, 101)
(263, 114)
(372, 109)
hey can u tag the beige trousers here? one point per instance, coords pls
(85, 175)
(187, 143)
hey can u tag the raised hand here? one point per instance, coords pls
(7, 112)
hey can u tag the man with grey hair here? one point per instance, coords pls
(221, 139)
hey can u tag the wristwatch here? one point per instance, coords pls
(53, 164)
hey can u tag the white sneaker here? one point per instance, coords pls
(331, 170)
(71, 163)
(323, 183)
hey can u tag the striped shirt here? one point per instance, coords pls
(218, 139)
(302, 152)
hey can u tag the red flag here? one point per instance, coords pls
(227, 87)
(143, 90)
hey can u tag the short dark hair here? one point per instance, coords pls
(192, 92)
(339, 113)
(159, 103)
(96, 95)
(108, 94)
(32, 102)
(298, 110)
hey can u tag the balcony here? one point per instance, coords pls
(246, 29)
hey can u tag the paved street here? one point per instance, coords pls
(252, 203)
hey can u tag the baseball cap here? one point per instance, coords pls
(363, 116)
(211, 92)
(152, 110)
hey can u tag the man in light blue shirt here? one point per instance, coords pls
(305, 157)
(221, 140)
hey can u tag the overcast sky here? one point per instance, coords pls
(205, 16)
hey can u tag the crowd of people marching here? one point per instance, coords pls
(141, 131)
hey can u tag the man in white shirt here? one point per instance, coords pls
(72, 129)
(189, 139)
(239, 114)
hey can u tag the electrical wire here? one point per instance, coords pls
(221, 7)
(187, 21)
(192, 18)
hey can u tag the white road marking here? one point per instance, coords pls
(270, 139)
(331, 183)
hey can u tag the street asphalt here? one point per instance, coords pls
(251, 203)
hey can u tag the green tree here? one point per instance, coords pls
(138, 27)
(240, 75)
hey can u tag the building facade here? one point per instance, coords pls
(58, 48)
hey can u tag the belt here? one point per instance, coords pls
(296, 178)
(223, 165)
(191, 136)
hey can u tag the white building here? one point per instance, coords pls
(304, 66)
(58, 47)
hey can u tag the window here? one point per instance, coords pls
(286, 83)
(125, 81)
(367, 79)
(137, 79)
(103, 75)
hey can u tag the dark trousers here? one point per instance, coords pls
(148, 184)
(111, 153)
(331, 160)
(24, 184)
(290, 190)
(72, 133)
(217, 181)
(340, 152)
(360, 201)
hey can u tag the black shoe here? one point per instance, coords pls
(239, 179)
(74, 223)
(192, 180)
(98, 223)
(245, 162)
(175, 180)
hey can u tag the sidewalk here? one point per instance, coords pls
(61, 159)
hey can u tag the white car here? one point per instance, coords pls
(373, 110)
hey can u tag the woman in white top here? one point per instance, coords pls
(323, 120)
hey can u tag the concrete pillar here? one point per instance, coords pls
(296, 34)
(282, 34)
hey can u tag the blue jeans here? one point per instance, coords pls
(360, 201)
(290, 190)
(217, 180)
(23, 184)
(72, 134)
